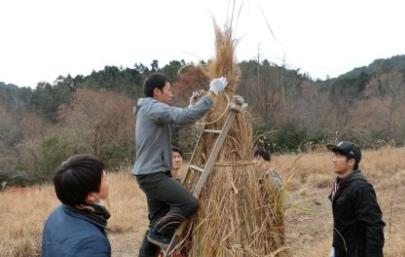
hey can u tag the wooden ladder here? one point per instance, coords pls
(203, 172)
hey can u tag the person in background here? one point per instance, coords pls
(262, 159)
(77, 226)
(357, 217)
(177, 164)
(272, 184)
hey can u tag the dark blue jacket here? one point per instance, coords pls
(68, 233)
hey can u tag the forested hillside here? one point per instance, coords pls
(291, 112)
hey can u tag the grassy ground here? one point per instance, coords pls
(308, 217)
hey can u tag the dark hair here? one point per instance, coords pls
(156, 80)
(262, 153)
(76, 177)
(349, 157)
(177, 150)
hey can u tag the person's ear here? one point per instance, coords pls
(156, 92)
(351, 162)
(92, 197)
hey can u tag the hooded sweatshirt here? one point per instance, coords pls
(155, 122)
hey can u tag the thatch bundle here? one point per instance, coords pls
(240, 211)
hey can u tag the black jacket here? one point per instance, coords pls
(357, 219)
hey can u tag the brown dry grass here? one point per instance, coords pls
(24, 211)
(308, 219)
(22, 215)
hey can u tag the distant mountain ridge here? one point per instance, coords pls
(279, 91)
(289, 110)
(11, 94)
(378, 66)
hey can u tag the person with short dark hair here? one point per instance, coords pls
(262, 160)
(177, 164)
(262, 153)
(77, 226)
(169, 203)
(271, 187)
(357, 218)
(156, 80)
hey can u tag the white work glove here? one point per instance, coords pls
(196, 96)
(332, 252)
(217, 85)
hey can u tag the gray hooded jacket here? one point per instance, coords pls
(153, 131)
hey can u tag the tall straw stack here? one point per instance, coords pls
(240, 211)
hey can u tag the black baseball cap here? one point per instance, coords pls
(347, 148)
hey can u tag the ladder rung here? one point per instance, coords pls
(208, 166)
(216, 131)
(196, 168)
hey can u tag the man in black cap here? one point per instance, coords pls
(357, 217)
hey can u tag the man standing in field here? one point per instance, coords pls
(357, 217)
(169, 203)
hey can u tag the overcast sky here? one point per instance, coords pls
(41, 39)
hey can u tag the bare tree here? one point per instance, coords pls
(102, 121)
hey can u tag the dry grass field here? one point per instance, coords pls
(308, 214)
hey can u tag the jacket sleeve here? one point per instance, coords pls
(162, 113)
(94, 246)
(369, 214)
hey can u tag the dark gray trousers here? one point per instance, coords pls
(169, 204)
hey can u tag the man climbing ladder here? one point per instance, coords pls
(169, 203)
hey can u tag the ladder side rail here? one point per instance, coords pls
(214, 154)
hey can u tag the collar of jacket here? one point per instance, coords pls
(355, 175)
(142, 101)
(98, 216)
(345, 182)
(145, 101)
